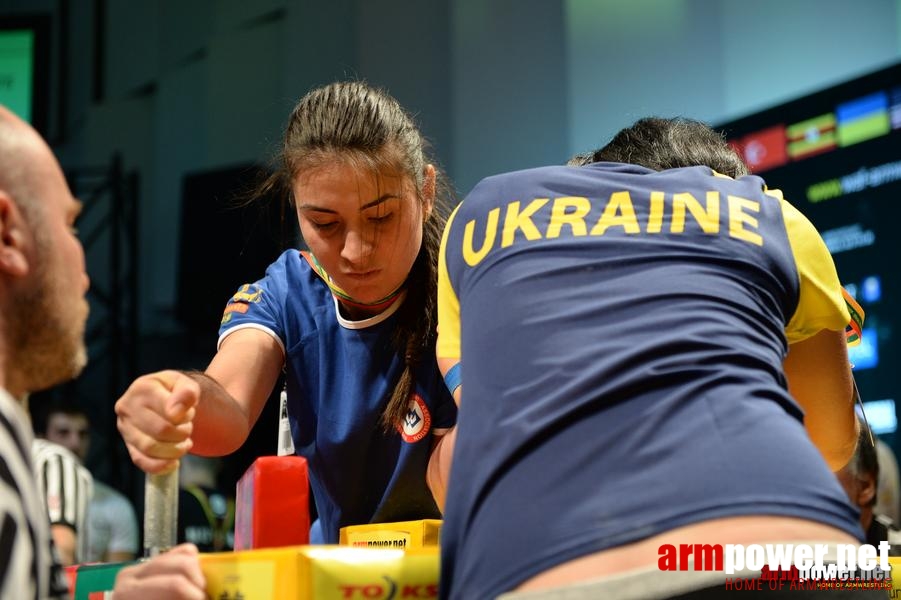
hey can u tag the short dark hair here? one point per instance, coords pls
(50, 405)
(661, 144)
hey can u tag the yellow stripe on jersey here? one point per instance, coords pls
(448, 344)
(821, 304)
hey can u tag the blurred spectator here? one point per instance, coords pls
(888, 489)
(112, 527)
(206, 514)
(860, 478)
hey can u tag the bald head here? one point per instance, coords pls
(42, 269)
(24, 159)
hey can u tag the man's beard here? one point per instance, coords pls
(47, 334)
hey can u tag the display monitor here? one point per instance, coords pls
(24, 67)
(836, 155)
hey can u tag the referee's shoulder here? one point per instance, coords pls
(43, 450)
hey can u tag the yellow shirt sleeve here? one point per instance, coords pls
(448, 344)
(821, 304)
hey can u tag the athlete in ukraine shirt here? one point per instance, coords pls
(621, 334)
(340, 374)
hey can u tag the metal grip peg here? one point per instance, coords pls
(160, 513)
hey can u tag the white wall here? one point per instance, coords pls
(806, 45)
(509, 86)
(714, 60)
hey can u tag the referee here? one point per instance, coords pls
(66, 488)
(42, 322)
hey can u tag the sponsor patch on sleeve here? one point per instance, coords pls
(246, 295)
(854, 329)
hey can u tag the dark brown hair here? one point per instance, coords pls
(366, 127)
(661, 144)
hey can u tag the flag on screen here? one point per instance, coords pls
(863, 119)
(811, 136)
(764, 149)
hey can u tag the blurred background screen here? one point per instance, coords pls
(836, 156)
(24, 72)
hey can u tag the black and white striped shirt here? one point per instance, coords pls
(27, 569)
(66, 486)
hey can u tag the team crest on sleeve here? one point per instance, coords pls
(239, 303)
(417, 422)
(249, 293)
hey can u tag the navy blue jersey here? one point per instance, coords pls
(340, 375)
(621, 334)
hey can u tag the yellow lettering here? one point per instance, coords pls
(472, 256)
(571, 211)
(521, 221)
(738, 218)
(708, 218)
(655, 218)
(617, 213)
(575, 219)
